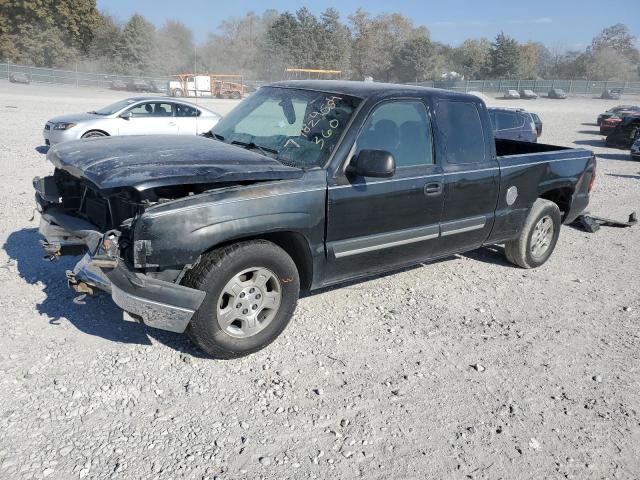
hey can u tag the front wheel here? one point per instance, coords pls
(538, 237)
(252, 288)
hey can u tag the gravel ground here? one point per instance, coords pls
(464, 368)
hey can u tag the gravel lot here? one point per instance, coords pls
(373, 380)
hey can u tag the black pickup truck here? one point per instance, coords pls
(303, 185)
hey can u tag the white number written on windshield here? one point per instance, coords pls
(325, 130)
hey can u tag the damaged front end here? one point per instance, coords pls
(79, 219)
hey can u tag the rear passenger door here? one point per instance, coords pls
(375, 224)
(466, 152)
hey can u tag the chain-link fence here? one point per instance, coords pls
(575, 87)
(106, 80)
(75, 77)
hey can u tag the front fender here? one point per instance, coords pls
(174, 237)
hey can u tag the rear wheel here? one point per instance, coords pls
(177, 92)
(94, 134)
(252, 288)
(236, 95)
(538, 237)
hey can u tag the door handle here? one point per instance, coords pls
(433, 189)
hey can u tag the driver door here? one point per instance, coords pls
(375, 224)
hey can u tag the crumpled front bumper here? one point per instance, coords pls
(158, 303)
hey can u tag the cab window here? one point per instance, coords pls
(401, 128)
(508, 120)
(460, 129)
(186, 111)
(152, 109)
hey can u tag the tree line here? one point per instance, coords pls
(387, 47)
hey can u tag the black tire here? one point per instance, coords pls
(94, 134)
(176, 92)
(519, 251)
(236, 95)
(214, 271)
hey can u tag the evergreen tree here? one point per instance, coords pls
(415, 60)
(335, 42)
(176, 48)
(505, 57)
(137, 47)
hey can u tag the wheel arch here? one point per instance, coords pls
(293, 243)
(561, 196)
(99, 130)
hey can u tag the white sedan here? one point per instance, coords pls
(133, 116)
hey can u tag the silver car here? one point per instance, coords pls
(133, 116)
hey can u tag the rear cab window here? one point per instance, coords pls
(461, 134)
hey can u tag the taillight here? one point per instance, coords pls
(593, 179)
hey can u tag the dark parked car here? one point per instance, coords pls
(18, 77)
(611, 94)
(625, 133)
(635, 150)
(620, 109)
(557, 93)
(138, 86)
(155, 87)
(513, 124)
(118, 85)
(528, 94)
(608, 124)
(308, 184)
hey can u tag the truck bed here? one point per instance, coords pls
(560, 174)
(506, 148)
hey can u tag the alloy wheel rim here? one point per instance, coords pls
(541, 237)
(249, 302)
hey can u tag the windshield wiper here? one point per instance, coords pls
(217, 136)
(262, 150)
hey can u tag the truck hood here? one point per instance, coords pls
(144, 162)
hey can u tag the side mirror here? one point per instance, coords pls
(125, 115)
(373, 163)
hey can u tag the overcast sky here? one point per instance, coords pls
(560, 24)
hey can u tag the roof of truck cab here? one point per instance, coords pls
(370, 89)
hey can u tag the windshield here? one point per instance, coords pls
(298, 127)
(114, 107)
